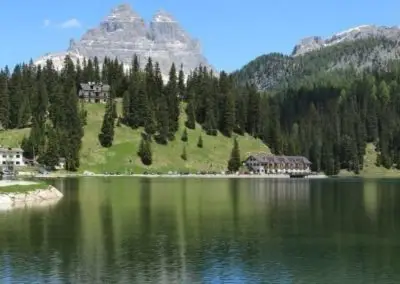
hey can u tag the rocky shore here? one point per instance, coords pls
(29, 197)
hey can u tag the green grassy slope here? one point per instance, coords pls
(122, 155)
(370, 167)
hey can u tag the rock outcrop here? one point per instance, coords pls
(124, 33)
(39, 195)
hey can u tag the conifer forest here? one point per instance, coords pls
(329, 120)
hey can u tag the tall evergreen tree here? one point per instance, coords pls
(145, 152)
(50, 156)
(181, 84)
(4, 100)
(234, 162)
(228, 118)
(190, 113)
(162, 120)
(172, 93)
(16, 97)
(106, 136)
(200, 142)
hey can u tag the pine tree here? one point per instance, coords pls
(73, 133)
(150, 122)
(184, 136)
(70, 127)
(253, 110)
(200, 142)
(162, 121)
(234, 162)
(4, 100)
(39, 102)
(190, 113)
(50, 157)
(144, 152)
(126, 107)
(241, 115)
(27, 147)
(184, 154)
(228, 117)
(172, 93)
(106, 135)
(148, 115)
(150, 81)
(135, 119)
(181, 84)
(15, 97)
(37, 138)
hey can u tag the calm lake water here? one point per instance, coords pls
(133, 230)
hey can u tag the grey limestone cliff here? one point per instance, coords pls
(124, 33)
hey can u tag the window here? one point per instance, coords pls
(18, 156)
(17, 163)
(4, 162)
(4, 156)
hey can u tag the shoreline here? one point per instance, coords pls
(272, 176)
(30, 198)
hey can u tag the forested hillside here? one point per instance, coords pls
(42, 104)
(329, 120)
(278, 71)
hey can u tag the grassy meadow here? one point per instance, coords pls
(122, 155)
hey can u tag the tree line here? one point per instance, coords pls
(330, 121)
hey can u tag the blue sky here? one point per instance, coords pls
(231, 32)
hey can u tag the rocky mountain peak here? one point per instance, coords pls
(123, 13)
(123, 33)
(163, 16)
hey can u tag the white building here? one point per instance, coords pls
(270, 164)
(11, 156)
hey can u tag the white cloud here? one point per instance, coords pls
(71, 23)
(46, 23)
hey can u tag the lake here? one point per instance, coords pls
(166, 230)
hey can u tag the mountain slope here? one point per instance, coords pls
(356, 48)
(124, 33)
(122, 156)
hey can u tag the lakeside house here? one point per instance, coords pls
(93, 92)
(262, 163)
(11, 157)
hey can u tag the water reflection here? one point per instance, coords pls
(207, 231)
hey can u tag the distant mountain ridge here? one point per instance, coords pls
(124, 33)
(309, 44)
(362, 47)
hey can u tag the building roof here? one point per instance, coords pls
(4, 149)
(87, 86)
(268, 158)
